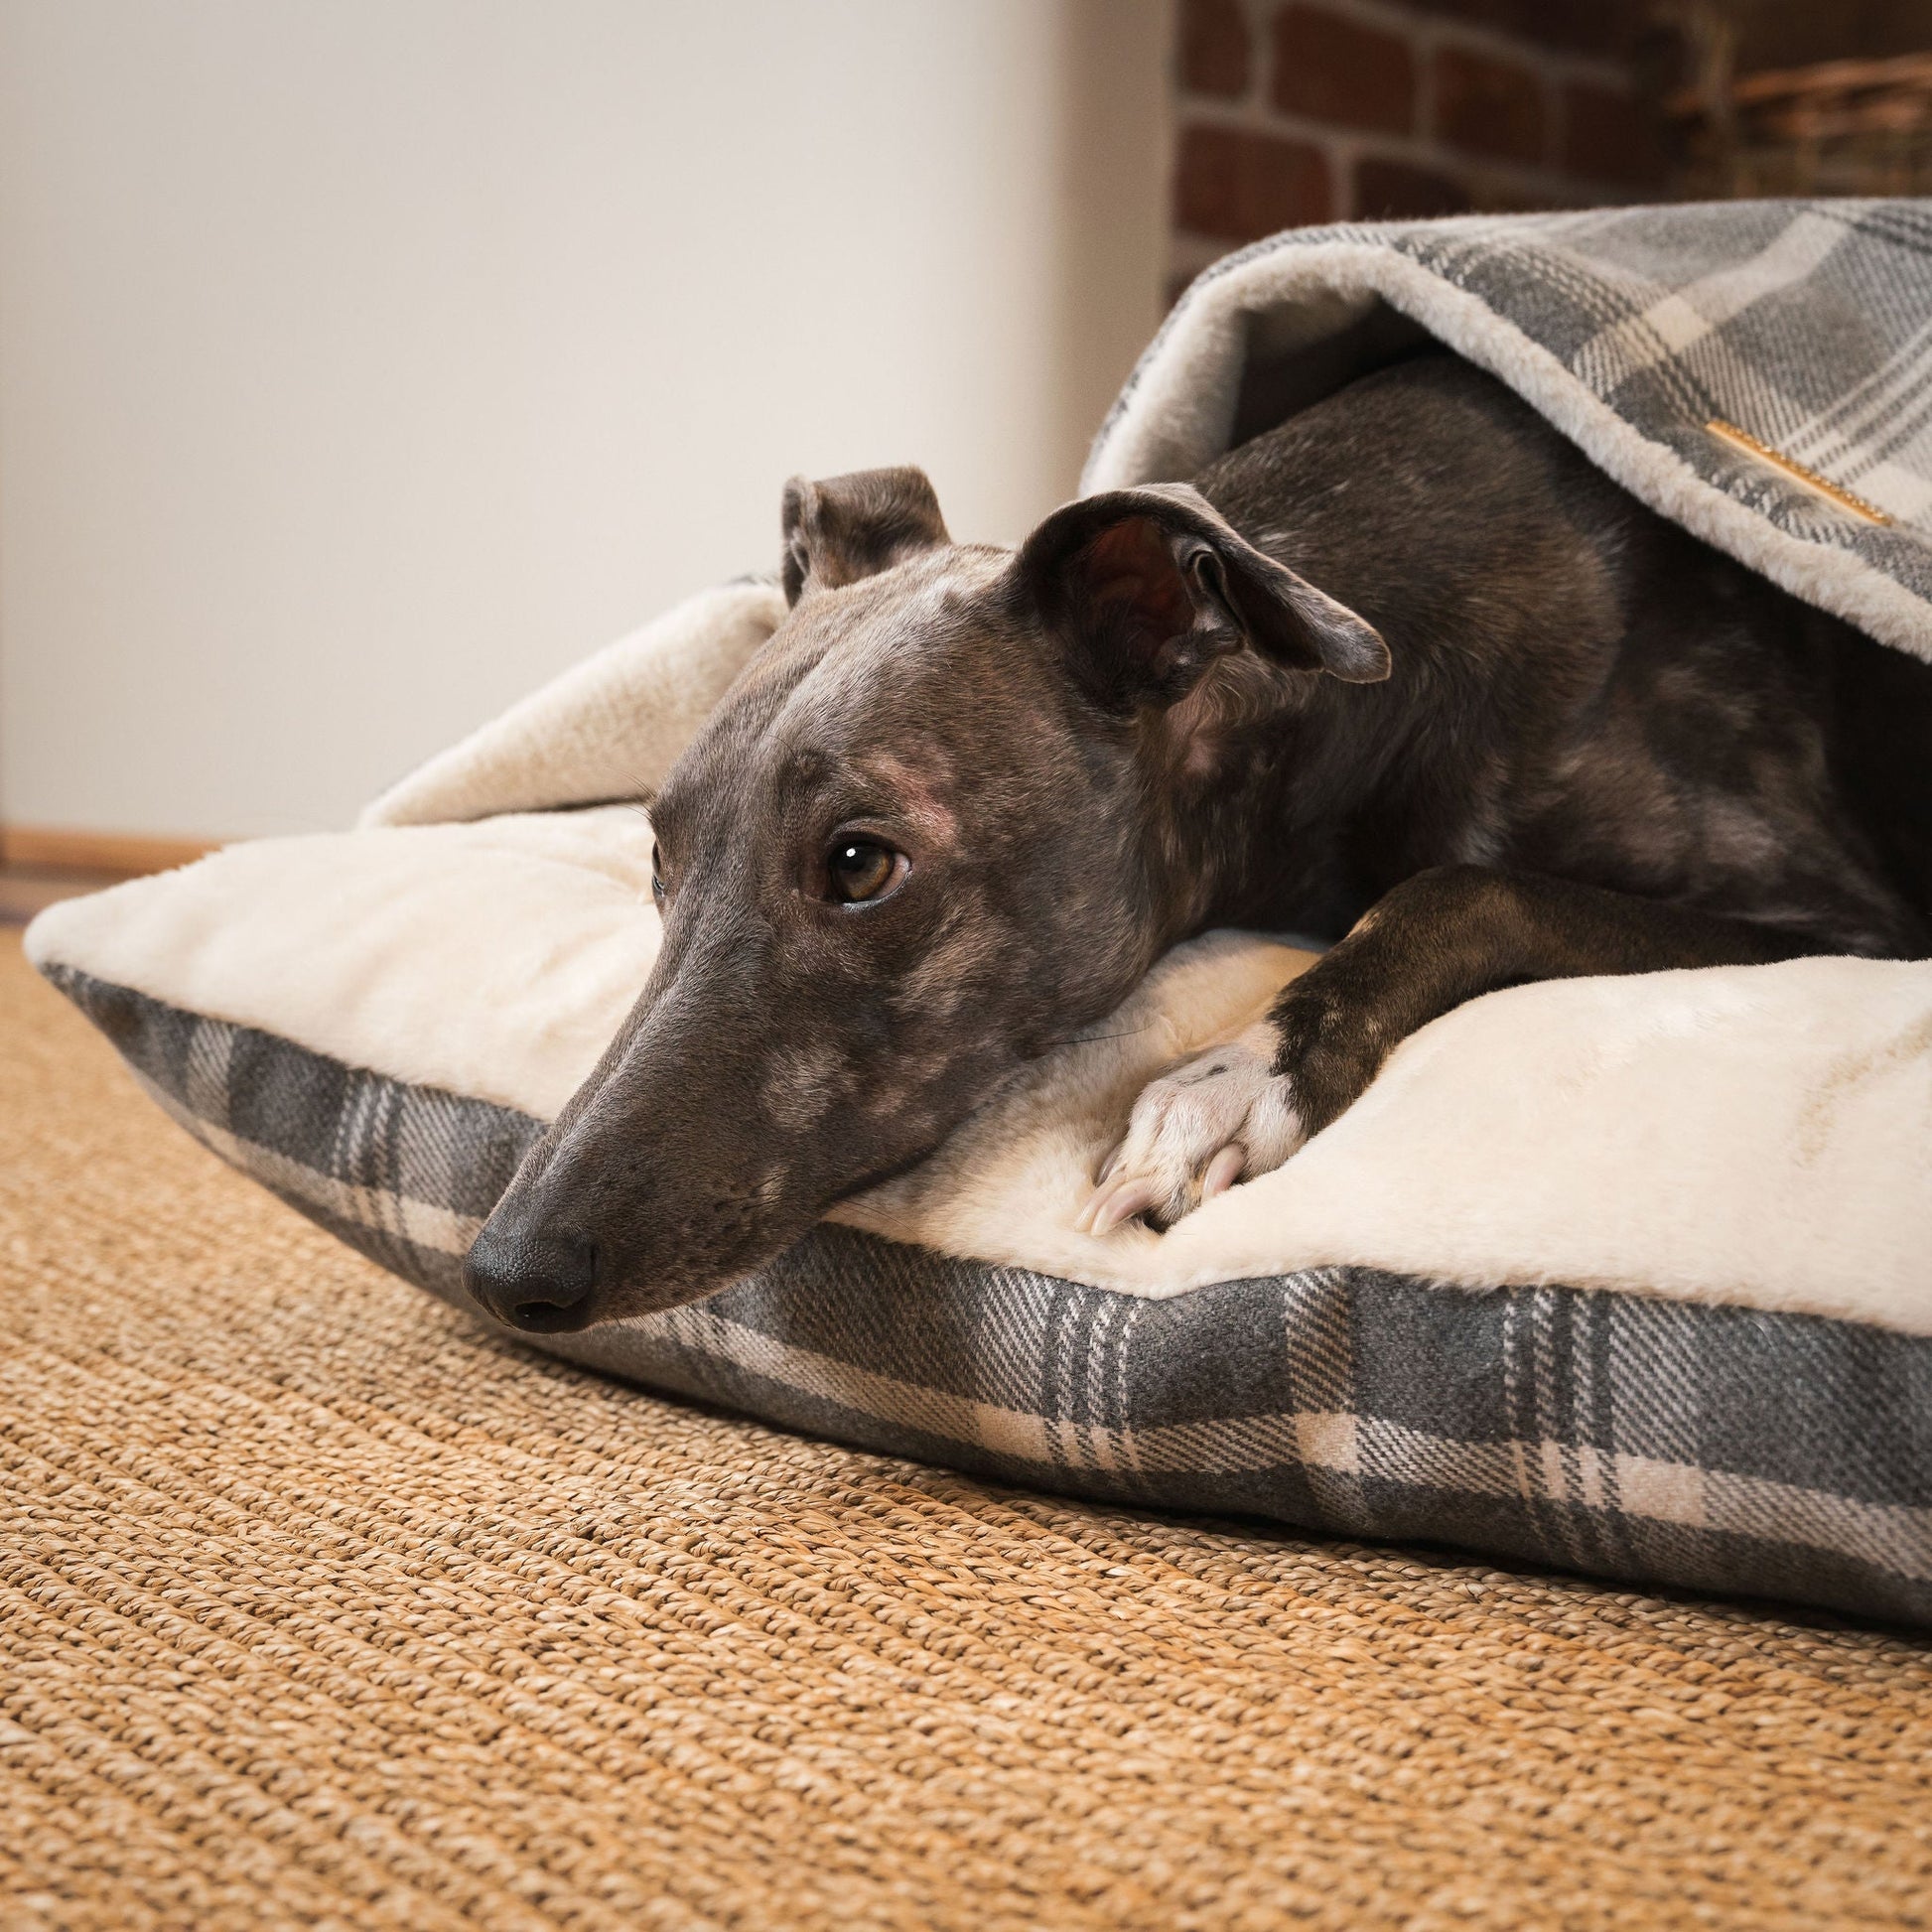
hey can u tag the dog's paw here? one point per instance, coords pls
(1221, 1117)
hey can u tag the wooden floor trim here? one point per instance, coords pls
(122, 854)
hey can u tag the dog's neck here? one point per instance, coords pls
(1252, 782)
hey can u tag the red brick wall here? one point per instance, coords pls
(1293, 111)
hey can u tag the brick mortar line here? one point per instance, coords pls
(1264, 117)
(1417, 150)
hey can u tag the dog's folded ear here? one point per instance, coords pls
(854, 526)
(1148, 587)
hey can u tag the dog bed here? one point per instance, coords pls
(1632, 1276)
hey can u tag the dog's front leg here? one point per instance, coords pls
(1437, 939)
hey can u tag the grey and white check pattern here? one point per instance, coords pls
(1719, 1449)
(1806, 324)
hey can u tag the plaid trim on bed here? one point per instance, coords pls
(1719, 1449)
(1808, 324)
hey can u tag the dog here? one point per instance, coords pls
(1406, 672)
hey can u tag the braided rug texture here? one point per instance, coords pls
(319, 1607)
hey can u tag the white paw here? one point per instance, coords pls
(1221, 1117)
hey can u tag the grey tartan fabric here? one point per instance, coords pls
(1717, 1448)
(1806, 324)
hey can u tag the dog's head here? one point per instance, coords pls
(926, 837)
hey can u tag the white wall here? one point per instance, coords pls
(362, 363)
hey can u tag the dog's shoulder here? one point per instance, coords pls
(1434, 500)
(1430, 441)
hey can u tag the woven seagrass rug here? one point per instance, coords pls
(319, 1607)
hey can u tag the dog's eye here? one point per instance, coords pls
(860, 869)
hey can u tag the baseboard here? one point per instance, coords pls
(41, 864)
(122, 855)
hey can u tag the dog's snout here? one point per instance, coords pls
(539, 1282)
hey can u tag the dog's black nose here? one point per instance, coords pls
(540, 1282)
